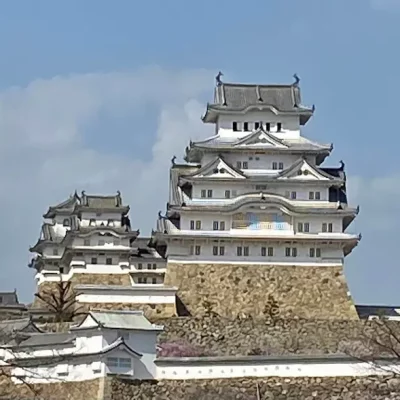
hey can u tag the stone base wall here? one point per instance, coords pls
(151, 311)
(222, 337)
(86, 390)
(371, 388)
(253, 290)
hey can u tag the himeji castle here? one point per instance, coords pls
(256, 191)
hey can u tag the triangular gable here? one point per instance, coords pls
(302, 170)
(218, 168)
(88, 322)
(260, 138)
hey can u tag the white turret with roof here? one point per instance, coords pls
(256, 192)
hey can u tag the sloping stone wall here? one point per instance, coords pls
(221, 336)
(230, 290)
(259, 389)
(85, 390)
(151, 311)
(217, 336)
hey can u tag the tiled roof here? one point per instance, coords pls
(134, 320)
(365, 311)
(48, 339)
(240, 96)
(8, 298)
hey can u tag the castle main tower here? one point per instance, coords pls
(253, 217)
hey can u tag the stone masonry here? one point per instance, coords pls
(230, 291)
(370, 388)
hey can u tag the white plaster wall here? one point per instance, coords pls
(282, 188)
(179, 252)
(155, 297)
(290, 124)
(215, 370)
(101, 219)
(207, 221)
(110, 240)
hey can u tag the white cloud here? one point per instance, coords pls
(45, 151)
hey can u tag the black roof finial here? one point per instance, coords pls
(159, 215)
(218, 78)
(296, 79)
(342, 165)
(173, 160)
(313, 108)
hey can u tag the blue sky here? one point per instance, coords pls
(99, 95)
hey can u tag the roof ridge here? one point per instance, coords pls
(272, 85)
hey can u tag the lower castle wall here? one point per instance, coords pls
(151, 311)
(253, 290)
(274, 388)
(217, 336)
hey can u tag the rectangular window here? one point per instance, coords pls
(215, 250)
(192, 225)
(294, 252)
(86, 242)
(140, 279)
(115, 362)
(197, 250)
(324, 227)
(154, 266)
(300, 227)
(94, 260)
(154, 281)
(55, 252)
(263, 251)
(293, 195)
(245, 126)
(221, 250)
(239, 251)
(222, 226)
(140, 266)
(246, 251)
(330, 227)
(279, 127)
(209, 193)
(239, 164)
(61, 272)
(203, 193)
(312, 252)
(117, 242)
(287, 252)
(274, 165)
(311, 196)
(144, 280)
(245, 165)
(318, 252)
(280, 165)
(267, 126)
(215, 225)
(256, 125)
(317, 195)
(306, 227)
(198, 225)
(270, 251)
(235, 126)
(148, 266)
(227, 194)
(109, 261)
